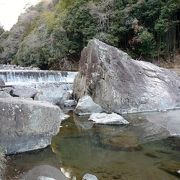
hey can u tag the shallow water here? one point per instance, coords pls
(141, 150)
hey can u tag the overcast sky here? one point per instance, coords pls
(11, 9)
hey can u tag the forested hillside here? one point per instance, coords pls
(52, 34)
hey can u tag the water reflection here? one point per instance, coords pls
(139, 151)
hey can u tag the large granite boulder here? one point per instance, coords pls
(123, 85)
(27, 125)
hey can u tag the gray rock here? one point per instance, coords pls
(22, 91)
(4, 94)
(27, 125)
(44, 172)
(52, 93)
(2, 162)
(2, 83)
(123, 85)
(87, 106)
(89, 177)
(104, 118)
(70, 103)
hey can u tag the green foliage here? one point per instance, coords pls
(147, 44)
(144, 28)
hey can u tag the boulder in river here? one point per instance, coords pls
(104, 118)
(4, 94)
(27, 125)
(87, 106)
(120, 84)
(22, 91)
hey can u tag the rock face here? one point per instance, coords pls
(27, 125)
(121, 84)
(87, 106)
(104, 118)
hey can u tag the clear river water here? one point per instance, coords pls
(139, 151)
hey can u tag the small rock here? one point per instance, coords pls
(44, 172)
(104, 118)
(87, 106)
(70, 103)
(45, 178)
(89, 177)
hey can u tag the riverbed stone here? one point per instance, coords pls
(120, 84)
(44, 172)
(22, 91)
(70, 103)
(87, 106)
(111, 119)
(52, 92)
(27, 125)
(4, 94)
(126, 141)
(89, 177)
(171, 167)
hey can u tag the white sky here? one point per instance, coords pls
(11, 9)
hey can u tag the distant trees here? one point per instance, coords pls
(146, 29)
(1, 32)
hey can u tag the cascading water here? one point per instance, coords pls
(36, 76)
(50, 85)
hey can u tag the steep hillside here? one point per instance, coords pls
(52, 34)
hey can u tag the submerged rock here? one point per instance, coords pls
(123, 85)
(89, 177)
(44, 172)
(126, 141)
(104, 118)
(27, 125)
(87, 106)
(171, 167)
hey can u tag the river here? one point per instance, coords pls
(140, 150)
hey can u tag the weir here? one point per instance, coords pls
(36, 76)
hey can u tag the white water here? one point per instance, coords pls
(36, 76)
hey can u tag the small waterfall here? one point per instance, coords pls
(36, 76)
